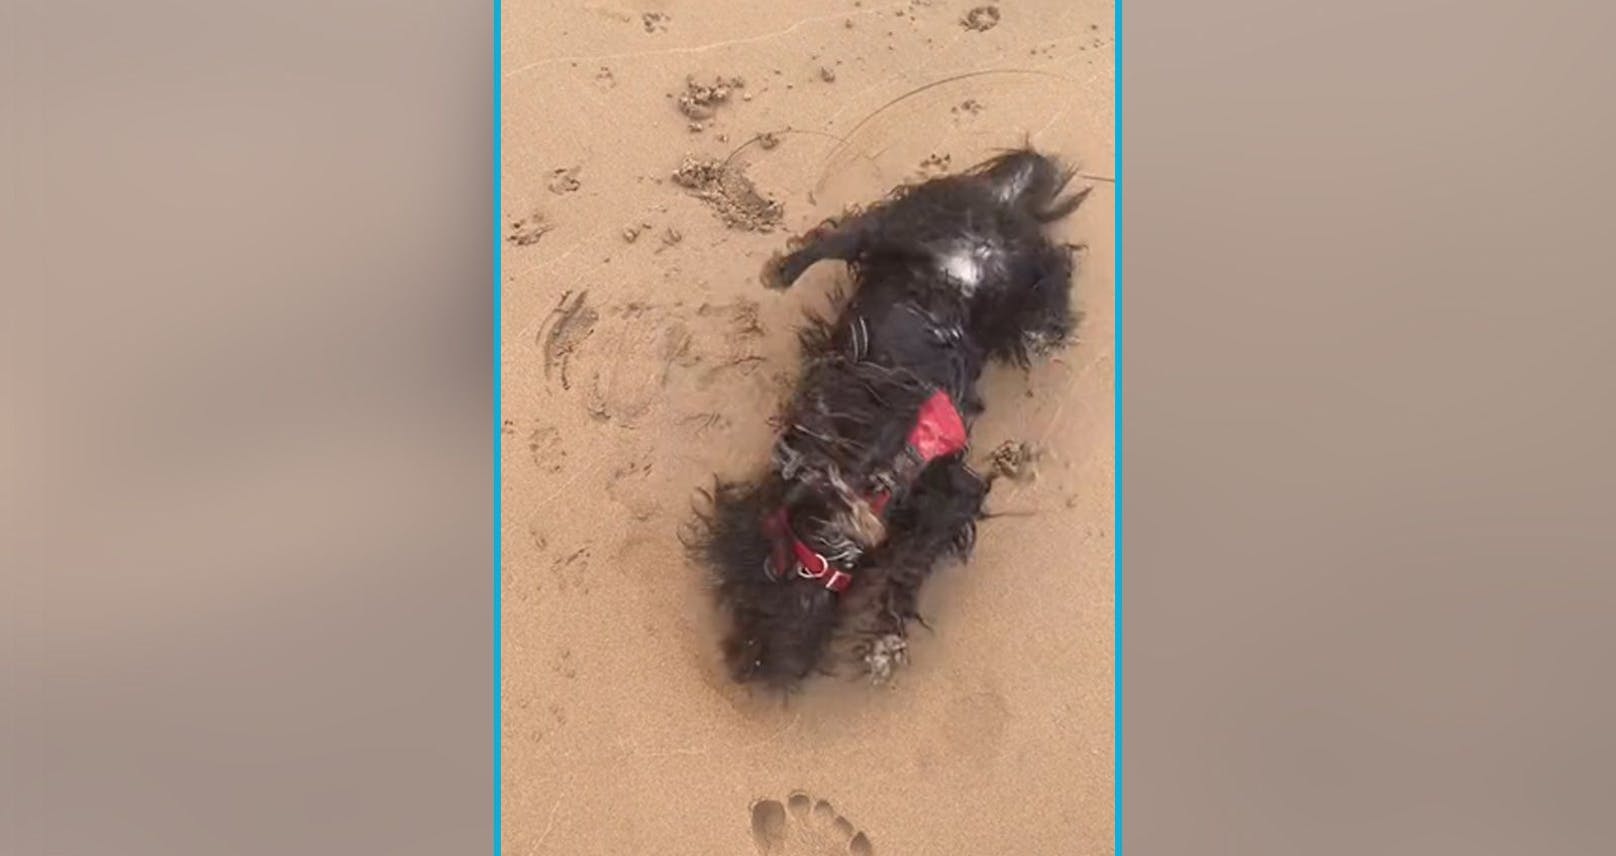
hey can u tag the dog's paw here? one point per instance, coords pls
(886, 655)
(773, 276)
(1042, 343)
(803, 826)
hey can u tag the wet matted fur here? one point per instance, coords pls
(947, 275)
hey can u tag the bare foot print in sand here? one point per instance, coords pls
(804, 826)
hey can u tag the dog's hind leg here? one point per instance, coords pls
(1033, 182)
(840, 238)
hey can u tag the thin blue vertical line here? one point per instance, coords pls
(1116, 430)
(498, 417)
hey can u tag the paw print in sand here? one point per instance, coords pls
(804, 826)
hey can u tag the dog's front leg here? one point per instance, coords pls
(880, 613)
(944, 506)
(840, 238)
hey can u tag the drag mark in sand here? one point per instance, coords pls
(574, 322)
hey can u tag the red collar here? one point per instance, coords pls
(810, 564)
(939, 430)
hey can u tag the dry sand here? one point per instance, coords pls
(640, 356)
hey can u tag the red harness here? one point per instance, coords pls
(938, 431)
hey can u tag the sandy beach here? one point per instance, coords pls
(654, 155)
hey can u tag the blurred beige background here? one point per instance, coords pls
(246, 564)
(1367, 566)
(630, 378)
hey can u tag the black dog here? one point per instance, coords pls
(868, 489)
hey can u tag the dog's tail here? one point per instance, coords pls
(1033, 182)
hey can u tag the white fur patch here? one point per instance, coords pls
(963, 268)
(968, 264)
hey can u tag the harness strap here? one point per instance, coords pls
(939, 430)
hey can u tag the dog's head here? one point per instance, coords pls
(781, 620)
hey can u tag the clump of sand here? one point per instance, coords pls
(1016, 460)
(726, 189)
(981, 19)
(700, 101)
